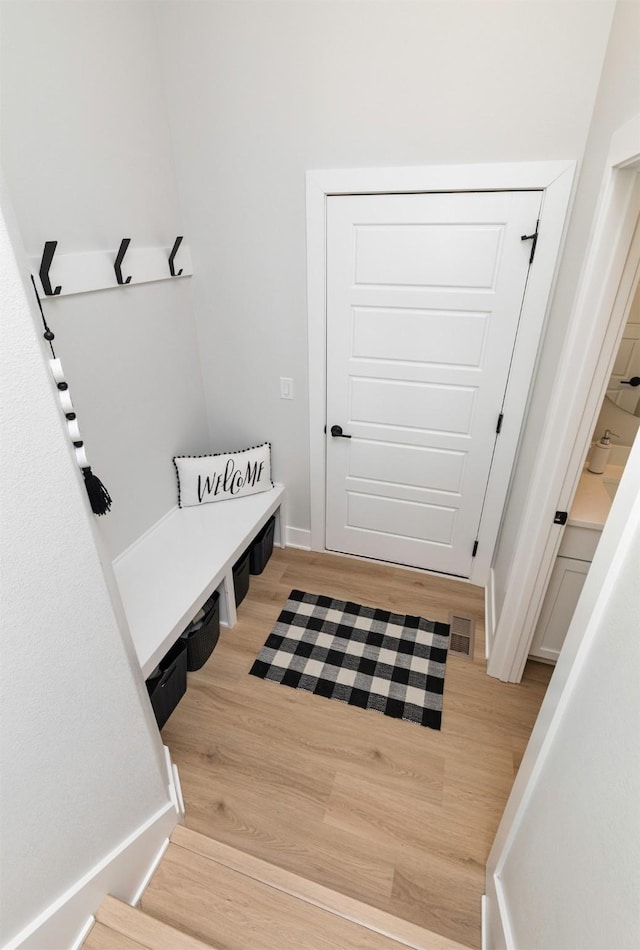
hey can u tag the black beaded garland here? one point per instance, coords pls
(99, 497)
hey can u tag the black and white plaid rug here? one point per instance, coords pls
(362, 656)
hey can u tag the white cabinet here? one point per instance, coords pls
(564, 589)
(572, 566)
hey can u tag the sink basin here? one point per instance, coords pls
(611, 486)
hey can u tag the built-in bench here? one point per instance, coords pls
(167, 574)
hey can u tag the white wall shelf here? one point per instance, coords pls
(85, 271)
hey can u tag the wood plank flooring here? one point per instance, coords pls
(125, 927)
(234, 900)
(384, 811)
(104, 938)
(229, 909)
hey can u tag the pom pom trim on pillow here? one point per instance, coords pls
(208, 478)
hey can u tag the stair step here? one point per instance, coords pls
(104, 938)
(226, 896)
(132, 929)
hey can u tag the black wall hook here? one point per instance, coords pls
(45, 265)
(124, 244)
(174, 251)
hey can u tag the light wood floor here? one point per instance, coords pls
(385, 811)
(121, 927)
(233, 900)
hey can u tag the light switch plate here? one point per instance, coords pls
(286, 388)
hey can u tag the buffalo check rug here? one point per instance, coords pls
(365, 657)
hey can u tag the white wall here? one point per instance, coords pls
(88, 160)
(620, 411)
(623, 423)
(260, 92)
(80, 755)
(618, 100)
(566, 851)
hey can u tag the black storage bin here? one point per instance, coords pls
(201, 641)
(169, 685)
(262, 547)
(241, 576)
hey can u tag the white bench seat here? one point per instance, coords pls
(166, 575)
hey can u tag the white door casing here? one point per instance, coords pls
(605, 291)
(424, 295)
(555, 179)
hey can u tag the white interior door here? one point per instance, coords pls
(424, 294)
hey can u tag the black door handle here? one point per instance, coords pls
(337, 433)
(634, 381)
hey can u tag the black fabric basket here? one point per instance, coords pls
(262, 547)
(200, 642)
(167, 688)
(241, 576)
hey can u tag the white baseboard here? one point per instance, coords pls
(502, 925)
(489, 613)
(151, 870)
(84, 933)
(496, 932)
(298, 538)
(483, 923)
(124, 873)
(175, 790)
(181, 809)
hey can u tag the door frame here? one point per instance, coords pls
(597, 321)
(555, 180)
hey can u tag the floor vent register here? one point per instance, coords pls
(461, 635)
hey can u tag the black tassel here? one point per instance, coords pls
(98, 495)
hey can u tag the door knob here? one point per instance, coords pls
(337, 433)
(634, 381)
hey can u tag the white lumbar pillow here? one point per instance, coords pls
(205, 478)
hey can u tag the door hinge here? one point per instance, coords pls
(475, 549)
(534, 240)
(499, 426)
(561, 517)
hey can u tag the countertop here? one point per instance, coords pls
(592, 502)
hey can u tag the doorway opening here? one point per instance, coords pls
(609, 278)
(610, 445)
